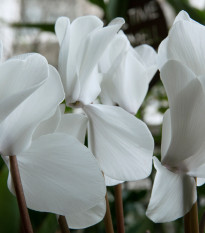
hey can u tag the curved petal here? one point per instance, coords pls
(163, 55)
(62, 26)
(126, 85)
(185, 44)
(122, 144)
(73, 124)
(148, 56)
(166, 133)
(60, 175)
(87, 218)
(89, 55)
(118, 46)
(49, 125)
(187, 109)
(172, 195)
(62, 29)
(182, 15)
(70, 38)
(17, 128)
(111, 182)
(18, 75)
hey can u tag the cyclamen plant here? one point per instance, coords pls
(50, 169)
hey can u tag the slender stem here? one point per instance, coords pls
(20, 195)
(191, 224)
(119, 209)
(63, 224)
(108, 218)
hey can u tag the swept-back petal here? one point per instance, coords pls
(126, 85)
(185, 43)
(71, 37)
(122, 144)
(172, 195)
(87, 218)
(60, 175)
(89, 56)
(148, 57)
(17, 128)
(62, 26)
(116, 48)
(187, 108)
(73, 124)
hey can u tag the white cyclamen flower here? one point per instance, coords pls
(183, 148)
(81, 45)
(58, 173)
(127, 72)
(121, 143)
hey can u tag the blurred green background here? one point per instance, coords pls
(30, 32)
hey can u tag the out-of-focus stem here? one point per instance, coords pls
(119, 209)
(20, 195)
(63, 224)
(191, 223)
(108, 218)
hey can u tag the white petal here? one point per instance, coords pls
(183, 16)
(187, 109)
(163, 56)
(73, 124)
(126, 84)
(111, 182)
(172, 195)
(185, 44)
(62, 26)
(17, 128)
(90, 88)
(62, 29)
(148, 56)
(166, 133)
(60, 175)
(200, 181)
(119, 45)
(121, 143)
(49, 125)
(87, 218)
(19, 75)
(92, 50)
(75, 35)
(89, 55)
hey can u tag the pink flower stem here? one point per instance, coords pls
(63, 224)
(119, 209)
(20, 195)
